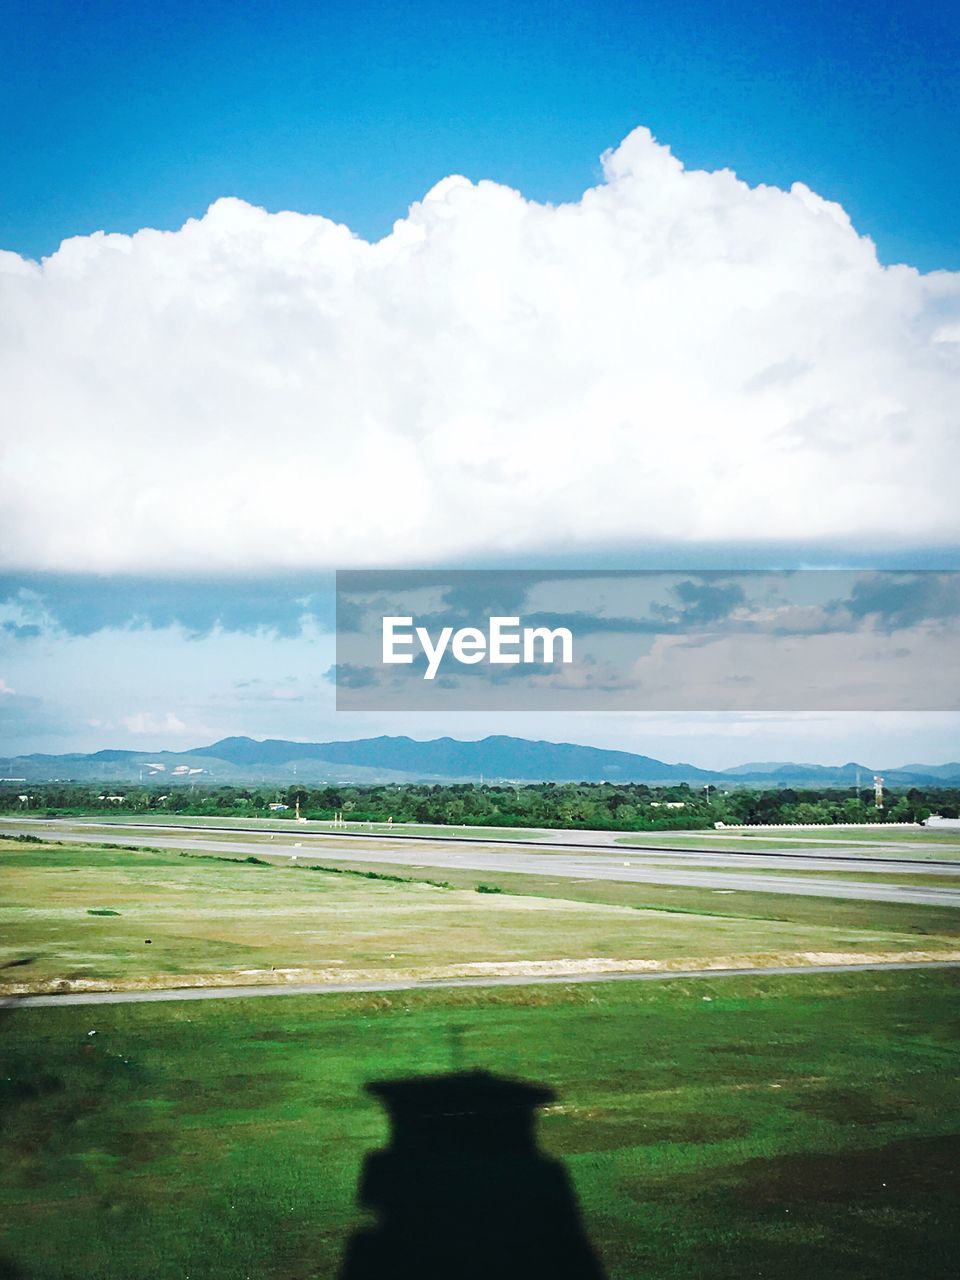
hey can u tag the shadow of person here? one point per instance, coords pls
(462, 1191)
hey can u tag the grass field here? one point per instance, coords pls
(787, 1128)
(946, 878)
(287, 826)
(75, 917)
(868, 844)
(434, 831)
(869, 835)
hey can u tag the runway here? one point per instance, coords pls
(721, 872)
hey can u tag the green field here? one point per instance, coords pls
(86, 916)
(787, 1128)
(432, 830)
(288, 827)
(870, 835)
(940, 877)
(919, 845)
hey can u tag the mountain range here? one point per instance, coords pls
(239, 760)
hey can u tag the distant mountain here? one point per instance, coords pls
(495, 757)
(401, 759)
(845, 775)
(948, 771)
(825, 775)
(759, 768)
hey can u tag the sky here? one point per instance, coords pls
(134, 115)
(501, 285)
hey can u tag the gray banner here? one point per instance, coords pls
(591, 640)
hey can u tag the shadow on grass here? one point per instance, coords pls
(463, 1190)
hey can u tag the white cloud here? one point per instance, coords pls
(676, 356)
(146, 722)
(5, 690)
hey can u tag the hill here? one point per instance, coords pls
(404, 759)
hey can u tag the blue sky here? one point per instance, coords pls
(160, 664)
(131, 115)
(202, 426)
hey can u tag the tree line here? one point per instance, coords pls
(618, 807)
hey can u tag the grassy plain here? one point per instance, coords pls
(787, 1128)
(867, 844)
(938, 877)
(287, 826)
(75, 917)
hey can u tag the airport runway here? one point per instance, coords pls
(703, 869)
(819, 848)
(837, 857)
(348, 988)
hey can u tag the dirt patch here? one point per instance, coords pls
(912, 1165)
(481, 969)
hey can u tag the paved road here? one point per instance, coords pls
(330, 988)
(836, 859)
(700, 869)
(544, 838)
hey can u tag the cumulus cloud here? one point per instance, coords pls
(146, 722)
(677, 356)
